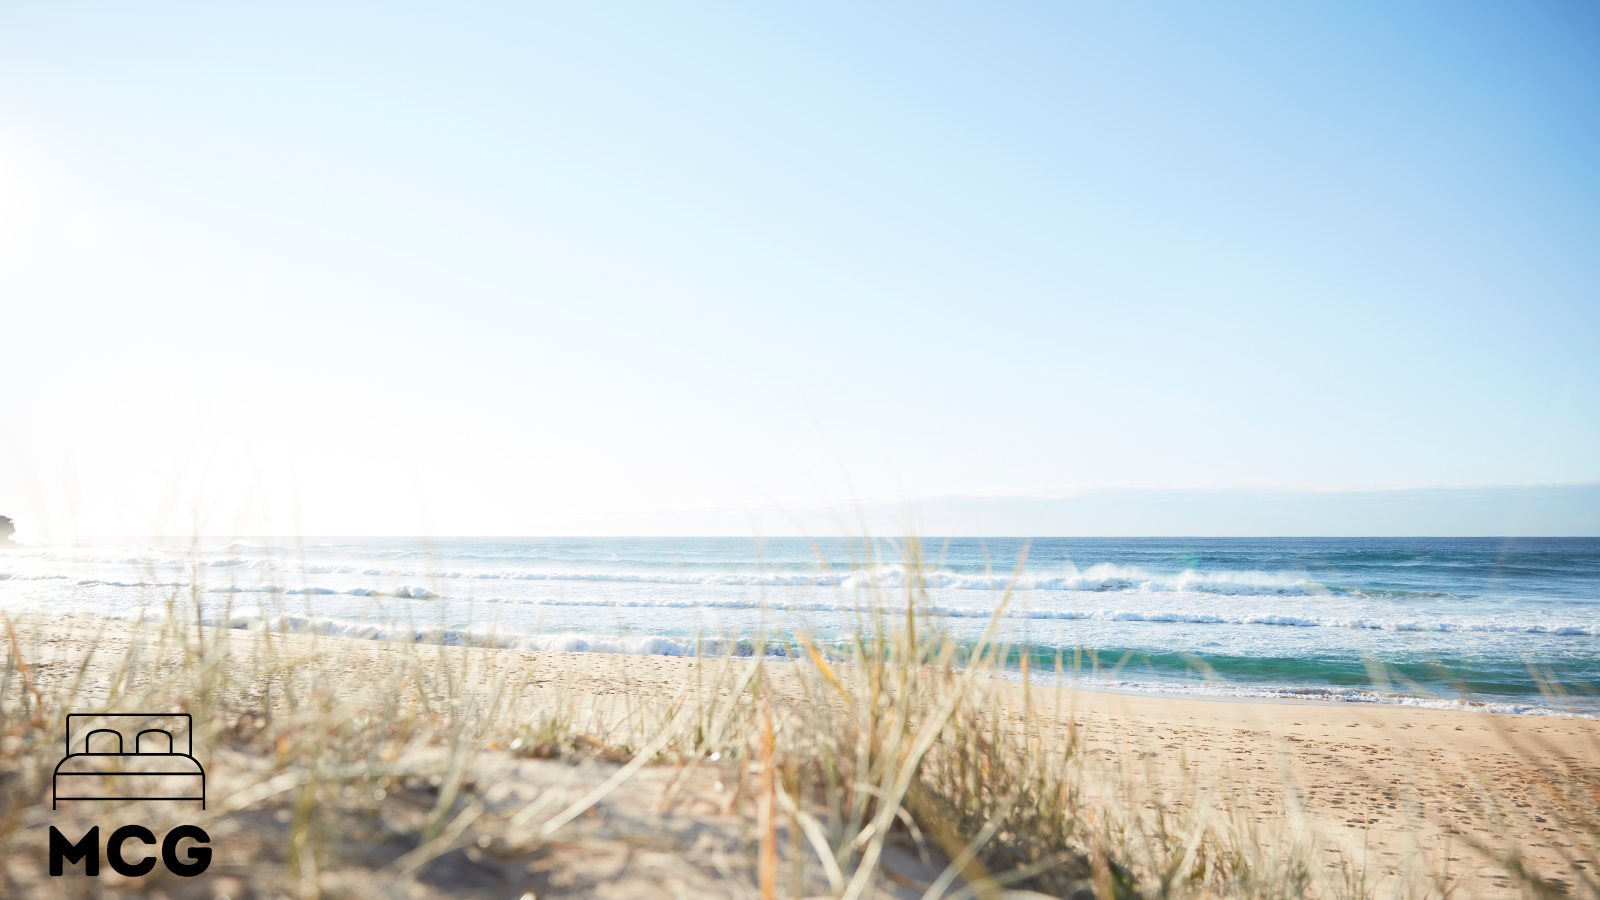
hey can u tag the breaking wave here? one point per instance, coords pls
(1104, 577)
(1098, 614)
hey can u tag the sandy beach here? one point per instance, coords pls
(1394, 793)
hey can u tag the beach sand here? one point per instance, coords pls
(1409, 791)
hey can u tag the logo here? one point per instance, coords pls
(129, 756)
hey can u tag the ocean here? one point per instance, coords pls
(1483, 623)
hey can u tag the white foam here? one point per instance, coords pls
(892, 604)
(1098, 578)
(574, 642)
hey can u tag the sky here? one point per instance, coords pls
(346, 268)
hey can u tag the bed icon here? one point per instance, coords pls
(129, 756)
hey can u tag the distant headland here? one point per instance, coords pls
(6, 530)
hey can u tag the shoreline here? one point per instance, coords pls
(554, 640)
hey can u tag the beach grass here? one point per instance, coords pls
(897, 763)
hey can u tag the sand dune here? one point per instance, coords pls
(1405, 790)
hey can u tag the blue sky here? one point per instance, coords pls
(346, 268)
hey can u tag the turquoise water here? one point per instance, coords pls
(1447, 622)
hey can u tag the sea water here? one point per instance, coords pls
(1509, 625)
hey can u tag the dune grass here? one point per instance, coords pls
(894, 764)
